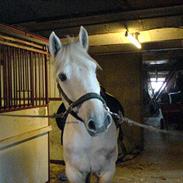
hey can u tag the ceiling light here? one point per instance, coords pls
(133, 39)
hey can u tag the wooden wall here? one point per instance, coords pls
(24, 147)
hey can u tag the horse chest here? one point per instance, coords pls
(88, 153)
(88, 159)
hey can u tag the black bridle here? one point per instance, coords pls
(76, 104)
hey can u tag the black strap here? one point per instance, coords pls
(86, 97)
(64, 95)
(74, 114)
(81, 100)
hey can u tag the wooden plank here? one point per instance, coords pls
(23, 47)
(10, 30)
(7, 38)
(155, 35)
(121, 17)
(118, 39)
(20, 138)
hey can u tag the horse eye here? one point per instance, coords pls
(62, 76)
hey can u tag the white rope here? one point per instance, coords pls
(150, 128)
(32, 116)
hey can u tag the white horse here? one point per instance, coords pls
(90, 137)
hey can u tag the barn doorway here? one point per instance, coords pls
(163, 91)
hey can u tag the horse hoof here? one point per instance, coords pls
(63, 177)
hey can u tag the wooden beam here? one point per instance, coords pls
(163, 55)
(155, 35)
(133, 25)
(24, 47)
(120, 18)
(14, 140)
(152, 40)
(12, 39)
(164, 46)
(12, 31)
(151, 36)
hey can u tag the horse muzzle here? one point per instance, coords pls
(93, 127)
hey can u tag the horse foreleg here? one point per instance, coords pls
(74, 175)
(87, 180)
(106, 177)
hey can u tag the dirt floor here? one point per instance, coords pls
(160, 162)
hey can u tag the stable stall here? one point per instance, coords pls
(24, 152)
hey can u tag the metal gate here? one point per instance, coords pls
(23, 72)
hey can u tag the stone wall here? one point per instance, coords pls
(122, 77)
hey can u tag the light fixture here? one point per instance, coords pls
(133, 39)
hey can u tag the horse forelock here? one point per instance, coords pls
(72, 52)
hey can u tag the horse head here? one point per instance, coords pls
(75, 73)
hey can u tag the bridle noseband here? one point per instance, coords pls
(78, 102)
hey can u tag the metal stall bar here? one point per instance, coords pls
(13, 77)
(35, 81)
(23, 78)
(0, 77)
(46, 78)
(40, 79)
(5, 77)
(19, 77)
(32, 78)
(16, 77)
(27, 77)
(43, 77)
(9, 59)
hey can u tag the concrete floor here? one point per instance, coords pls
(161, 162)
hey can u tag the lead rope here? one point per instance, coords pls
(150, 128)
(120, 119)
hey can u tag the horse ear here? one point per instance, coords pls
(54, 44)
(83, 38)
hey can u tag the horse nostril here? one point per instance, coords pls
(108, 120)
(91, 125)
